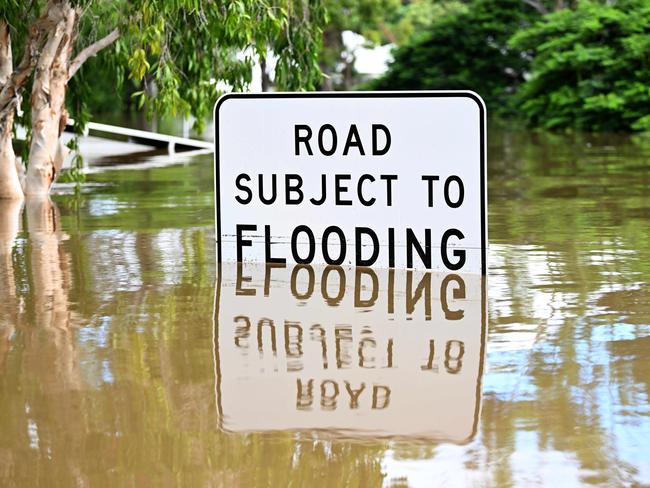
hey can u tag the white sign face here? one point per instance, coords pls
(393, 180)
(349, 352)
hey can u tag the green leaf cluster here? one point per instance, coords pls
(184, 52)
(379, 22)
(465, 49)
(297, 45)
(586, 67)
(590, 67)
(415, 16)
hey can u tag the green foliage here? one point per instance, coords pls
(183, 51)
(590, 68)
(177, 56)
(75, 174)
(365, 17)
(379, 22)
(419, 15)
(297, 44)
(465, 49)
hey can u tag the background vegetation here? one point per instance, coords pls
(555, 64)
(590, 67)
(584, 65)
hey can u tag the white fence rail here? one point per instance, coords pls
(143, 136)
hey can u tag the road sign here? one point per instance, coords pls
(392, 180)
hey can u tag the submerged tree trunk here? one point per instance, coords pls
(10, 184)
(49, 117)
(48, 53)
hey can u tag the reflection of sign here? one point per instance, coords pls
(395, 180)
(358, 352)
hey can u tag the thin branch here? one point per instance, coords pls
(91, 51)
(538, 6)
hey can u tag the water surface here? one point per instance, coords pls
(113, 371)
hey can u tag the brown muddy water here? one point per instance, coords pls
(128, 359)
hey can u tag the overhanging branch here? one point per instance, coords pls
(91, 51)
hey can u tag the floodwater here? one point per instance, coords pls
(128, 359)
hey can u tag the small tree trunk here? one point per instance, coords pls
(348, 74)
(266, 79)
(10, 185)
(331, 43)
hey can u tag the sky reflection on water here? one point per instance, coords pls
(107, 352)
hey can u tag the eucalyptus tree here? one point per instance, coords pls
(178, 50)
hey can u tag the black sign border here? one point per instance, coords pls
(388, 94)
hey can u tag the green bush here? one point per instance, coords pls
(465, 50)
(590, 67)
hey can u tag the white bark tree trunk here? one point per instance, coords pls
(48, 52)
(6, 59)
(10, 185)
(49, 117)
